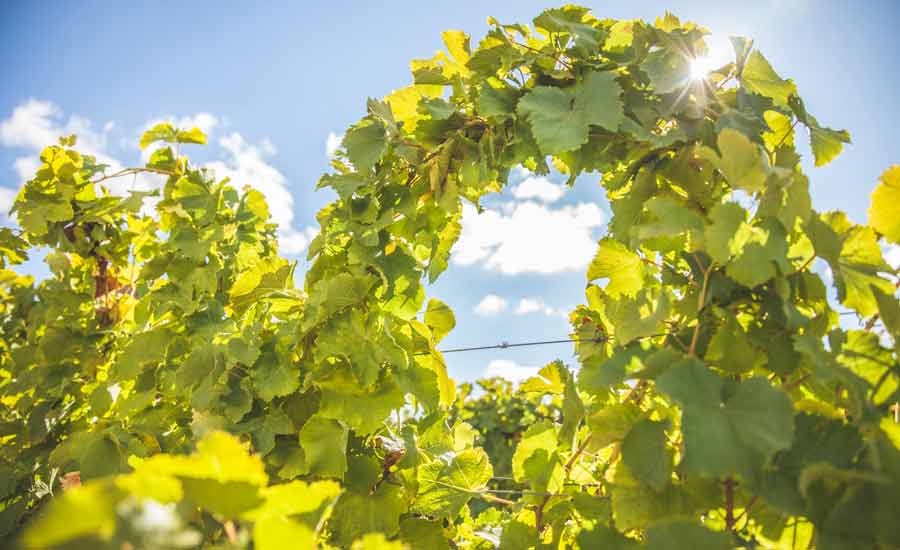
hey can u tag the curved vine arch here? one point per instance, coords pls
(713, 368)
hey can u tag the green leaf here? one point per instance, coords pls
(556, 125)
(101, 458)
(143, 348)
(539, 436)
(357, 514)
(194, 135)
(421, 533)
(274, 377)
(164, 131)
(439, 318)
(573, 20)
(670, 219)
(220, 476)
(276, 532)
(763, 256)
(376, 541)
(560, 119)
(292, 513)
(457, 43)
(727, 435)
(324, 443)
(362, 409)
(366, 143)
(730, 349)
(669, 70)
(499, 102)
(884, 212)
(726, 235)
(330, 296)
(598, 97)
(645, 453)
(623, 268)
(826, 143)
(447, 483)
(536, 460)
(741, 161)
(855, 259)
(678, 534)
(364, 345)
(635, 504)
(602, 536)
(160, 132)
(89, 510)
(759, 77)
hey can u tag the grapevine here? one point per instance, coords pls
(169, 386)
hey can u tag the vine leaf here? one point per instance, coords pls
(560, 118)
(447, 483)
(366, 143)
(884, 212)
(645, 453)
(324, 442)
(726, 435)
(623, 268)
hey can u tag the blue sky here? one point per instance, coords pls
(272, 80)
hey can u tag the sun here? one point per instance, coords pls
(718, 53)
(700, 67)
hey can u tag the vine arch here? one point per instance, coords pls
(713, 367)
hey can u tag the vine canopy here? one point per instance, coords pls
(169, 365)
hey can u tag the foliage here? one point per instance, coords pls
(719, 401)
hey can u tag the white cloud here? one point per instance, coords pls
(332, 144)
(292, 241)
(537, 305)
(31, 125)
(529, 238)
(7, 197)
(509, 370)
(35, 124)
(25, 167)
(246, 164)
(490, 305)
(540, 188)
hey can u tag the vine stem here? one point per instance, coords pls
(571, 462)
(135, 171)
(535, 50)
(870, 324)
(491, 498)
(701, 302)
(729, 504)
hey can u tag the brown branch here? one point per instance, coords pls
(729, 504)
(571, 462)
(746, 510)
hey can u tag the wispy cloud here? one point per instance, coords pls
(528, 237)
(540, 188)
(510, 370)
(490, 305)
(36, 124)
(536, 305)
